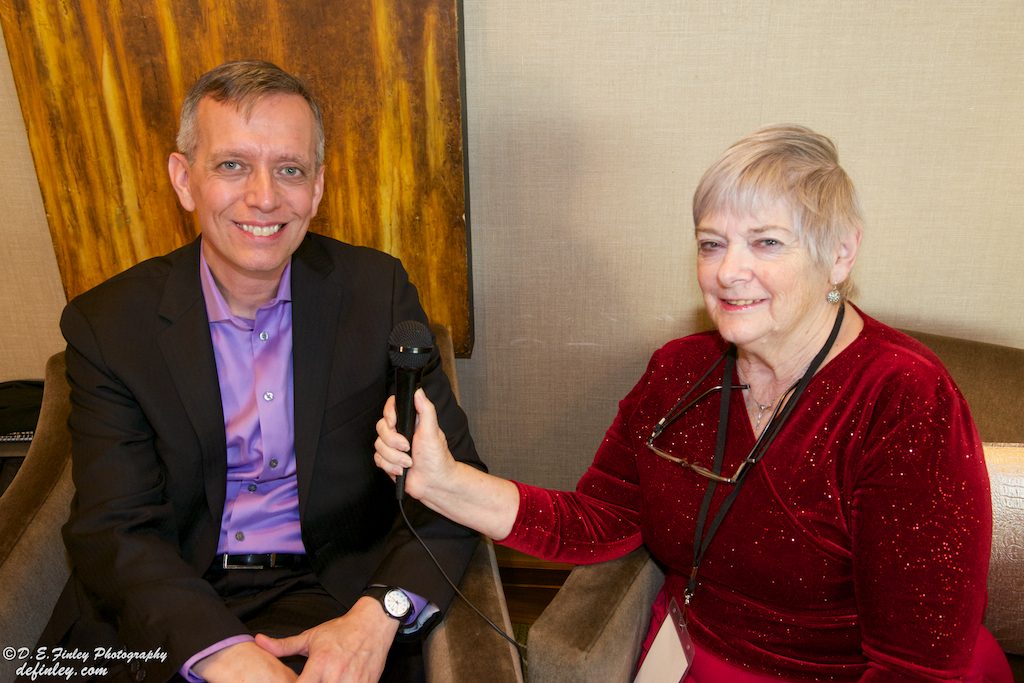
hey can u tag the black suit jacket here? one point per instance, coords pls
(149, 452)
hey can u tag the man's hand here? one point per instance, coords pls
(349, 649)
(243, 663)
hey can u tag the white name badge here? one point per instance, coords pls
(671, 653)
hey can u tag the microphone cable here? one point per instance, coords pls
(520, 649)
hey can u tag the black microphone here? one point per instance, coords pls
(410, 346)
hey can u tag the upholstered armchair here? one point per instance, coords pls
(34, 566)
(593, 629)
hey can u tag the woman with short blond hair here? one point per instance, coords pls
(810, 478)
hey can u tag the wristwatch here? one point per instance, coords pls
(396, 604)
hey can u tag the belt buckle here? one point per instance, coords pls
(225, 565)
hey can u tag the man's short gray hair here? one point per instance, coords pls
(244, 83)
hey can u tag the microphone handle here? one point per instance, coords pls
(407, 380)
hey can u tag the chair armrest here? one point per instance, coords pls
(1005, 614)
(593, 629)
(463, 648)
(33, 563)
(47, 454)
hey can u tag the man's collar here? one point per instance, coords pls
(217, 309)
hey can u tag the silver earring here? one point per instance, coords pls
(833, 297)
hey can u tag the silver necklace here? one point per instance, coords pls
(760, 411)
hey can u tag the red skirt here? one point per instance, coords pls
(988, 665)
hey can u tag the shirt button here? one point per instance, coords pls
(239, 536)
(273, 464)
(269, 396)
(252, 487)
(264, 336)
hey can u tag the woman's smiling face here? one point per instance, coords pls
(762, 288)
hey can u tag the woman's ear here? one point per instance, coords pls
(846, 256)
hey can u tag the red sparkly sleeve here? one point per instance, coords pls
(921, 521)
(598, 521)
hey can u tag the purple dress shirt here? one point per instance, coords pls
(254, 368)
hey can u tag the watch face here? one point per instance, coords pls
(397, 603)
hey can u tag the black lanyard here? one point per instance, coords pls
(701, 543)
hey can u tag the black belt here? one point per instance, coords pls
(265, 561)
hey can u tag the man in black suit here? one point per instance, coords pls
(224, 399)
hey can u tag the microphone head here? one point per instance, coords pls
(410, 345)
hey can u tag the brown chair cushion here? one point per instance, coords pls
(991, 378)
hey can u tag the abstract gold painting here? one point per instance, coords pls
(100, 85)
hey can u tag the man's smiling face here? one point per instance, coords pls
(253, 184)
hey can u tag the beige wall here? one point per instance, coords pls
(590, 122)
(31, 296)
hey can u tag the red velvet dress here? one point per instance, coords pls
(858, 548)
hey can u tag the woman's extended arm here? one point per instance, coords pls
(456, 490)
